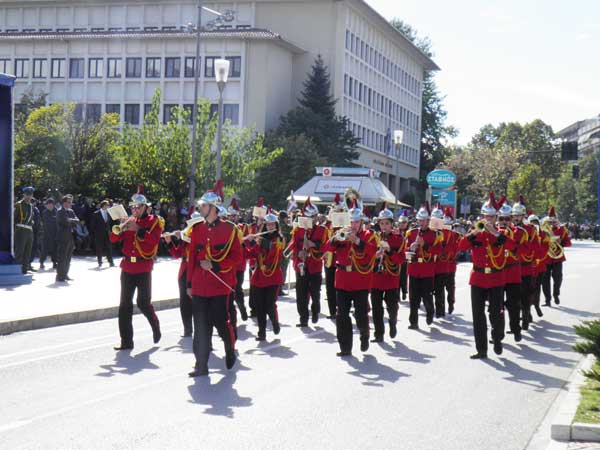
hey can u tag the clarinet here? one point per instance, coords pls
(380, 267)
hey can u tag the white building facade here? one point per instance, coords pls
(109, 56)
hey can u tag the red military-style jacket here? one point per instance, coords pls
(354, 262)
(314, 258)
(268, 253)
(220, 243)
(541, 252)
(489, 257)
(140, 248)
(528, 264)
(512, 268)
(245, 231)
(563, 240)
(423, 263)
(387, 271)
(180, 250)
(446, 261)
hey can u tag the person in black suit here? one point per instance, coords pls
(101, 225)
(66, 221)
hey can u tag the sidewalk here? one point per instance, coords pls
(93, 295)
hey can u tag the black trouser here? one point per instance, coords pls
(391, 302)
(330, 289)
(554, 271)
(266, 304)
(308, 284)
(538, 288)
(495, 296)
(129, 283)
(403, 279)
(527, 292)
(232, 312)
(343, 322)
(103, 247)
(185, 304)
(48, 249)
(512, 292)
(451, 287)
(420, 289)
(209, 312)
(64, 251)
(23, 246)
(439, 285)
(251, 296)
(239, 289)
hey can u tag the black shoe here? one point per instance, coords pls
(530, 318)
(68, 278)
(315, 317)
(42, 267)
(343, 354)
(54, 266)
(124, 346)
(557, 300)
(364, 343)
(525, 326)
(198, 373)
(377, 339)
(548, 303)
(261, 337)
(393, 330)
(276, 328)
(403, 296)
(156, 335)
(61, 280)
(450, 308)
(112, 264)
(252, 313)
(518, 337)
(230, 359)
(302, 325)
(99, 264)
(538, 310)
(478, 356)
(498, 348)
(283, 293)
(244, 313)
(429, 320)
(413, 327)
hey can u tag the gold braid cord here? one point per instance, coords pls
(269, 271)
(355, 256)
(160, 222)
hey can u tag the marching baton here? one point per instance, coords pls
(221, 280)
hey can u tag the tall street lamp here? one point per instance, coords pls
(221, 74)
(227, 16)
(398, 139)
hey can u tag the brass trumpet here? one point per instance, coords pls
(118, 229)
(342, 234)
(479, 226)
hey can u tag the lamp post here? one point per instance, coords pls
(227, 16)
(221, 74)
(398, 138)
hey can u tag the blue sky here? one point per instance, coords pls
(510, 60)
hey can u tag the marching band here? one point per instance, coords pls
(515, 256)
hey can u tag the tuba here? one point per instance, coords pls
(555, 250)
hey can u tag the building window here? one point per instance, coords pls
(78, 113)
(132, 114)
(133, 29)
(95, 67)
(209, 66)
(5, 66)
(133, 68)
(39, 68)
(190, 62)
(168, 113)
(172, 67)
(231, 112)
(235, 66)
(78, 30)
(114, 68)
(115, 29)
(152, 67)
(150, 28)
(58, 68)
(97, 30)
(147, 109)
(76, 67)
(169, 28)
(243, 27)
(22, 68)
(93, 111)
(113, 108)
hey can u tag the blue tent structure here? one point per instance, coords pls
(10, 273)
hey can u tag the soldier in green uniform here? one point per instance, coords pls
(23, 220)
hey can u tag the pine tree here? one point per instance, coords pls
(316, 95)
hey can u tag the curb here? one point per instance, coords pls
(563, 429)
(70, 318)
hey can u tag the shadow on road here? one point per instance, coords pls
(403, 353)
(435, 334)
(221, 398)
(183, 346)
(273, 349)
(372, 372)
(126, 364)
(518, 374)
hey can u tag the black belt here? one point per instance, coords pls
(136, 259)
(486, 269)
(344, 268)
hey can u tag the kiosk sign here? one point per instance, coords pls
(441, 179)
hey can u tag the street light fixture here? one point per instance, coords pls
(221, 75)
(398, 139)
(227, 16)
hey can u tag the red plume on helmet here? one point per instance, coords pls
(269, 209)
(337, 199)
(448, 212)
(500, 202)
(366, 211)
(261, 202)
(521, 200)
(234, 203)
(218, 189)
(140, 190)
(384, 206)
(529, 212)
(190, 210)
(551, 212)
(427, 207)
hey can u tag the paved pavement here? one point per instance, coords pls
(65, 388)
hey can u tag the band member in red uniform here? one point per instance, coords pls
(402, 229)
(140, 235)
(541, 259)
(307, 247)
(527, 260)
(178, 246)
(386, 278)
(488, 247)
(259, 211)
(355, 260)
(329, 258)
(267, 278)
(216, 252)
(559, 239)
(448, 267)
(441, 265)
(233, 215)
(423, 245)
(512, 268)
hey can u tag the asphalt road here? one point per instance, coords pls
(65, 388)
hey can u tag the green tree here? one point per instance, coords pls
(29, 102)
(316, 119)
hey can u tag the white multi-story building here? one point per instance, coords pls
(110, 56)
